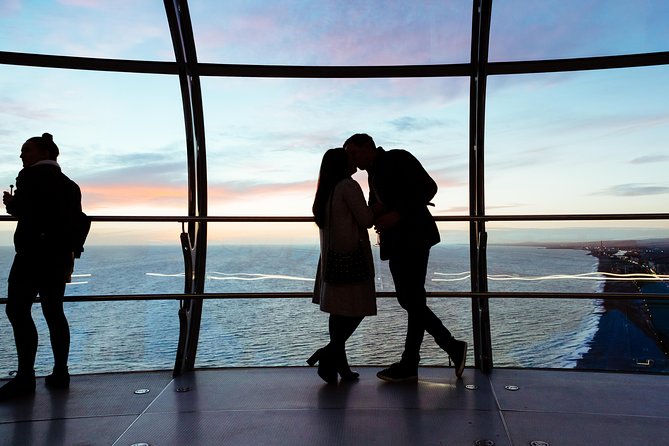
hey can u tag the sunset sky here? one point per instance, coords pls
(589, 142)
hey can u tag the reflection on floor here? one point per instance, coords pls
(292, 406)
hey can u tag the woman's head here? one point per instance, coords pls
(335, 166)
(39, 148)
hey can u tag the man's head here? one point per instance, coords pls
(362, 150)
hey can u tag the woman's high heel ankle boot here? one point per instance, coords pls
(313, 359)
(327, 370)
(344, 369)
(327, 366)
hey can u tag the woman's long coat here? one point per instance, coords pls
(347, 218)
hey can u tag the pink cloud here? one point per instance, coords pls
(224, 199)
(132, 195)
(292, 199)
(92, 4)
(9, 7)
(332, 34)
(237, 192)
(118, 5)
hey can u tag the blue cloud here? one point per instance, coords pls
(635, 190)
(648, 159)
(409, 123)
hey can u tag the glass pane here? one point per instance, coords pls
(124, 29)
(589, 142)
(150, 261)
(245, 258)
(449, 267)
(604, 334)
(277, 265)
(293, 328)
(146, 331)
(7, 233)
(298, 32)
(556, 29)
(632, 335)
(144, 334)
(122, 258)
(448, 271)
(266, 137)
(540, 333)
(121, 136)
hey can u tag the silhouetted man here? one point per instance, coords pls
(407, 230)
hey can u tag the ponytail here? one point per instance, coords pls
(45, 142)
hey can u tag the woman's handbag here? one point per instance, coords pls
(346, 267)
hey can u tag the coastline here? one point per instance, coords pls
(626, 338)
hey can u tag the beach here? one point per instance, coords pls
(627, 337)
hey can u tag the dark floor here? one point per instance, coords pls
(292, 406)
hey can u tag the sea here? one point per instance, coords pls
(113, 336)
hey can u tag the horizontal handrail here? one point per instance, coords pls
(567, 217)
(298, 219)
(464, 294)
(383, 295)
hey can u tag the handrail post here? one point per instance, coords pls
(190, 313)
(478, 236)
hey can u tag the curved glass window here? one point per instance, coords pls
(123, 29)
(120, 135)
(579, 257)
(298, 32)
(588, 142)
(266, 137)
(557, 29)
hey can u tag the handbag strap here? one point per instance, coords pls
(330, 218)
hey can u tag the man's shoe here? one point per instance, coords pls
(458, 354)
(58, 379)
(17, 387)
(398, 373)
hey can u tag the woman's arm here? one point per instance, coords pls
(355, 200)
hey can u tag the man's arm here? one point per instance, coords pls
(409, 189)
(414, 186)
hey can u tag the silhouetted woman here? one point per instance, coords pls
(342, 215)
(43, 203)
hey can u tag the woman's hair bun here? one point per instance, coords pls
(47, 136)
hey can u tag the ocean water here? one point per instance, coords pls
(142, 335)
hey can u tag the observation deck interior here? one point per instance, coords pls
(490, 405)
(291, 405)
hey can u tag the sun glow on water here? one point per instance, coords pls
(250, 276)
(240, 276)
(447, 277)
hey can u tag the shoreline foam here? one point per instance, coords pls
(625, 339)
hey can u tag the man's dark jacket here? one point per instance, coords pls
(399, 181)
